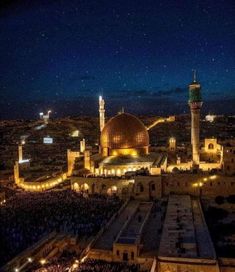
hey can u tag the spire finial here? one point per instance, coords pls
(194, 75)
(121, 111)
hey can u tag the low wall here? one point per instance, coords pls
(198, 184)
(42, 185)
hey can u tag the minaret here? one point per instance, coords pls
(20, 152)
(195, 103)
(102, 112)
(82, 145)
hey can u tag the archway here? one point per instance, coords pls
(76, 187)
(85, 188)
(210, 146)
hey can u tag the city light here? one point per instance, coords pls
(213, 177)
(23, 161)
(106, 189)
(42, 261)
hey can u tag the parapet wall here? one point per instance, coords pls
(198, 184)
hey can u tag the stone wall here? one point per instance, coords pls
(198, 184)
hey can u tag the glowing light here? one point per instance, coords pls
(30, 260)
(213, 177)
(134, 153)
(16, 270)
(198, 184)
(114, 188)
(75, 265)
(85, 186)
(75, 133)
(205, 179)
(23, 161)
(42, 261)
(83, 259)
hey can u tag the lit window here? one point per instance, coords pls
(139, 137)
(116, 138)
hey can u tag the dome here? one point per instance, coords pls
(124, 134)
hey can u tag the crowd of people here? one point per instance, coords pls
(91, 265)
(28, 217)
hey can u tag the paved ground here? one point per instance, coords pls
(133, 229)
(204, 243)
(152, 231)
(105, 242)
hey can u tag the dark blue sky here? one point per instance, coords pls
(65, 48)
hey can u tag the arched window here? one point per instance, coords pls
(210, 146)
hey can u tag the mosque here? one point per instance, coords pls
(125, 147)
(157, 236)
(127, 165)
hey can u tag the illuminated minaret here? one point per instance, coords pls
(20, 150)
(195, 103)
(102, 112)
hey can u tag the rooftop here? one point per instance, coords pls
(185, 233)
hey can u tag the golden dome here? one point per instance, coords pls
(124, 134)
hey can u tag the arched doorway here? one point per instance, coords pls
(85, 188)
(76, 187)
(210, 146)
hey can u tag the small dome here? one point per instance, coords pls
(124, 134)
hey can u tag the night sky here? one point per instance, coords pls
(66, 48)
